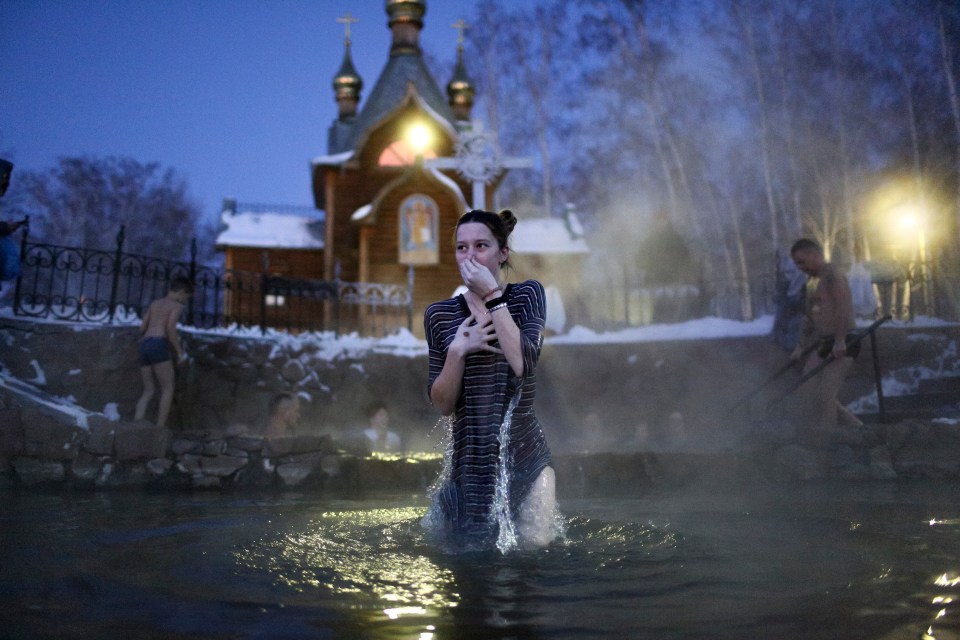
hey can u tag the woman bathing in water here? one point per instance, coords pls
(483, 351)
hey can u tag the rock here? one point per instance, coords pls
(247, 442)
(137, 441)
(159, 466)
(205, 482)
(182, 446)
(288, 445)
(100, 436)
(293, 474)
(129, 474)
(897, 435)
(49, 437)
(881, 465)
(86, 467)
(293, 371)
(799, 462)
(190, 463)
(214, 447)
(33, 471)
(221, 465)
(255, 474)
(11, 433)
(849, 436)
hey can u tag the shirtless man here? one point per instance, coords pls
(159, 329)
(284, 415)
(828, 320)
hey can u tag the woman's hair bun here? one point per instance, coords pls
(509, 220)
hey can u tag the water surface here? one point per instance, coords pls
(821, 561)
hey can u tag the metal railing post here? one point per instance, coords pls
(115, 282)
(263, 292)
(410, 298)
(23, 253)
(192, 275)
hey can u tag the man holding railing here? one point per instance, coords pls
(828, 320)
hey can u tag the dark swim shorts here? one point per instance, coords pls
(154, 351)
(825, 346)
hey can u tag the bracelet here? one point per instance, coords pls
(498, 306)
(493, 303)
(496, 288)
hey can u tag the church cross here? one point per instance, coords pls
(461, 27)
(478, 160)
(346, 21)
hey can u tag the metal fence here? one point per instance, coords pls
(915, 290)
(77, 284)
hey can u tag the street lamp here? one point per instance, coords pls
(911, 218)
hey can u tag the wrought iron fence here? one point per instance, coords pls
(915, 290)
(78, 284)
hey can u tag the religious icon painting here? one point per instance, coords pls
(419, 216)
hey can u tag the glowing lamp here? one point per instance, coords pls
(419, 138)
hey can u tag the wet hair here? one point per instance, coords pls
(181, 283)
(280, 400)
(501, 225)
(806, 244)
(373, 407)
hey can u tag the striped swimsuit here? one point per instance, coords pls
(464, 502)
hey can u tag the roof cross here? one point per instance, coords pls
(346, 21)
(461, 28)
(478, 159)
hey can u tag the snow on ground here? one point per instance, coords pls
(403, 342)
(699, 329)
(326, 345)
(65, 406)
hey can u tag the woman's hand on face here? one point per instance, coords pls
(477, 277)
(473, 336)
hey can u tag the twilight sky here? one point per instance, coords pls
(234, 94)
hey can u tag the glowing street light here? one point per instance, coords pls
(419, 138)
(911, 218)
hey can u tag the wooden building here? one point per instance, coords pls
(393, 183)
(389, 208)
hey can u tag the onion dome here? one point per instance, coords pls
(460, 89)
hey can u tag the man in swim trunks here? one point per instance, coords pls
(159, 329)
(828, 319)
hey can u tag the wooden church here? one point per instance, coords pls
(393, 182)
(387, 208)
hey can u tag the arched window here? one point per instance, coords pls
(401, 153)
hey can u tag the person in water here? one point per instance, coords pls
(483, 350)
(827, 321)
(160, 348)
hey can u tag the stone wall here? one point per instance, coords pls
(591, 397)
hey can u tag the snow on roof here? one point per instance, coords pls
(451, 185)
(335, 159)
(547, 235)
(362, 212)
(273, 230)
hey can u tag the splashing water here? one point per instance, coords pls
(500, 510)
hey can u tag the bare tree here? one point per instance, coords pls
(84, 201)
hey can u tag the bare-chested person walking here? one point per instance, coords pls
(829, 318)
(159, 329)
